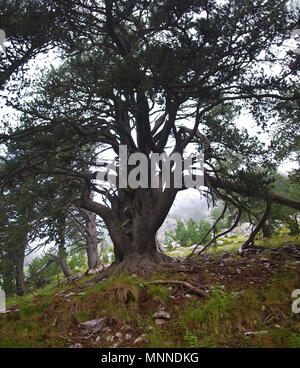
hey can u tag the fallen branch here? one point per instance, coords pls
(52, 258)
(183, 283)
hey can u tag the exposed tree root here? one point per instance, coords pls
(183, 283)
(139, 264)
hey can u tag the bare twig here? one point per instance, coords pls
(209, 231)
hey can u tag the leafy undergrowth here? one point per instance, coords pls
(248, 304)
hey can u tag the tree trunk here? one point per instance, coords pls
(258, 227)
(132, 221)
(20, 281)
(293, 225)
(266, 231)
(134, 236)
(137, 252)
(61, 249)
(92, 241)
(62, 260)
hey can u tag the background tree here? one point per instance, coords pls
(188, 234)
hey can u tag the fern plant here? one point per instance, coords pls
(191, 339)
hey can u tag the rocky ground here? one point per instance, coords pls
(132, 312)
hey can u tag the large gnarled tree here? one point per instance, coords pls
(156, 76)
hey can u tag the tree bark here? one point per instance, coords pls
(132, 222)
(91, 240)
(61, 249)
(63, 264)
(263, 219)
(20, 280)
(266, 230)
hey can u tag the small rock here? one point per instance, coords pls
(237, 293)
(106, 329)
(277, 326)
(75, 346)
(126, 328)
(98, 338)
(160, 321)
(263, 260)
(139, 339)
(93, 326)
(188, 296)
(110, 338)
(255, 333)
(161, 314)
(119, 335)
(60, 293)
(68, 295)
(128, 336)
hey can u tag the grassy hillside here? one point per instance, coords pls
(246, 302)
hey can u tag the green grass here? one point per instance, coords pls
(219, 320)
(233, 243)
(162, 293)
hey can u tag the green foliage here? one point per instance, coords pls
(191, 339)
(284, 215)
(209, 316)
(215, 213)
(78, 261)
(188, 234)
(37, 263)
(107, 255)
